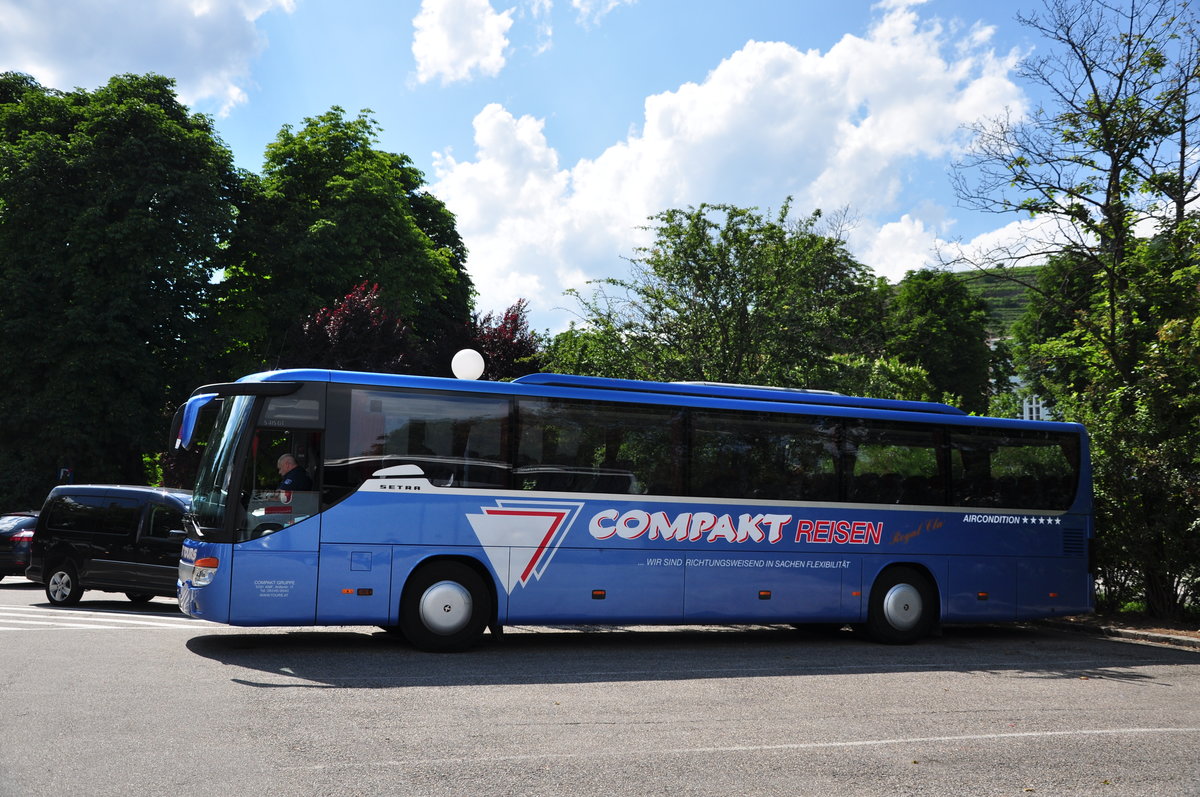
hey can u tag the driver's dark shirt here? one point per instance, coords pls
(296, 479)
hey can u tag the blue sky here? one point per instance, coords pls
(554, 128)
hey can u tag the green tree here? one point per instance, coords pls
(881, 377)
(1063, 289)
(1145, 425)
(330, 212)
(724, 294)
(1113, 149)
(585, 351)
(1114, 153)
(934, 322)
(113, 207)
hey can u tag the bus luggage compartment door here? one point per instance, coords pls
(599, 585)
(763, 588)
(355, 584)
(982, 590)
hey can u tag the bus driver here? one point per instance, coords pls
(295, 478)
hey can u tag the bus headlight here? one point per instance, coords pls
(204, 570)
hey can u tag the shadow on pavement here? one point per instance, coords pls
(363, 659)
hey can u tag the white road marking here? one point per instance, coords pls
(767, 748)
(15, 618)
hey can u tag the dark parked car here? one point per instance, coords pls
(107, 537)
(16, 530)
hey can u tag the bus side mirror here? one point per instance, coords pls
(183, 425)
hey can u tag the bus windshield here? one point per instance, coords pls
(213, 483)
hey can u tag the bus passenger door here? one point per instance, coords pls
(275, 578)
(275, 562)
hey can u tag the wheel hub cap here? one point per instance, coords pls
(902, 606)
(60, 585)
(446, 607)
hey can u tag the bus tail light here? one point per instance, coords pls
(204, 570)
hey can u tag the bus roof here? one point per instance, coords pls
(727, 391)
(632, 390)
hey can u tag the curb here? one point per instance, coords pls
(1132, 634)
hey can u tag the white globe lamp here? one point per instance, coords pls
(467, 364)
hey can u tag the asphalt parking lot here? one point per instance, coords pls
(112, 698)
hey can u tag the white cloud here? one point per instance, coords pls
(539, 12)
(206, 45)
(896, 247)
(591, 12)
(508, 203)
(903, 102)
(845, 127)
(454, 39)
(910, 243)
(1024, 242)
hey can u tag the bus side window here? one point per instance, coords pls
(589, 447)
(893, 463)
(1014, 470)
(763, 455)
(456, 440)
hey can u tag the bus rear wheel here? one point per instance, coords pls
(903, 606)
(445, 606)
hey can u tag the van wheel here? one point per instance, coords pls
(63, 587)
(445, 606)
(903, 606)
(139, 597)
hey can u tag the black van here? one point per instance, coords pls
(108, 537)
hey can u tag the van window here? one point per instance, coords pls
(163, 521)
(95, 513)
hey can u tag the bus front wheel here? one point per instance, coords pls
(903, 606)
(445, 606)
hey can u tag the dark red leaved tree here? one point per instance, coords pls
(508, 346)
(356, 334)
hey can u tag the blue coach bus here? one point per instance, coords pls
(440, 508)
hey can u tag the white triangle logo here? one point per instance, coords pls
(520, 537)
